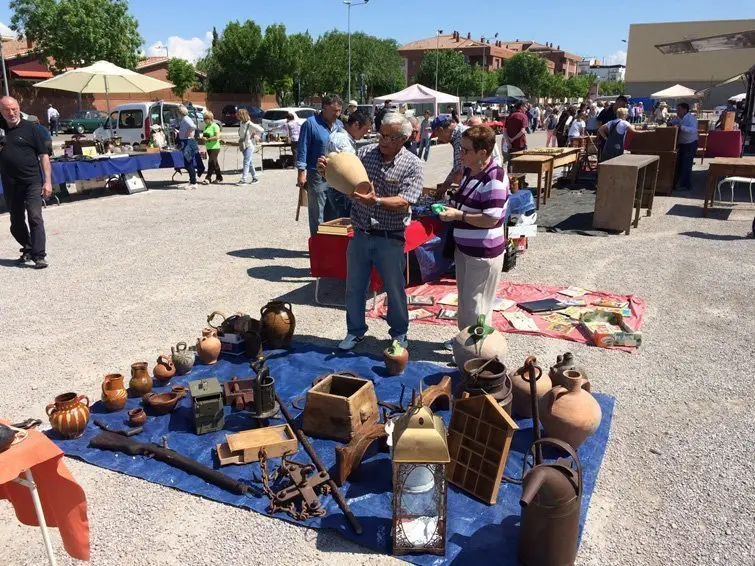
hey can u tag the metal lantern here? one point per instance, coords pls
(420, 457)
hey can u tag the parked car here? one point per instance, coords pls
(198, 115)
(82, 122)
(229, 114)
(274, 121)
(132, 122)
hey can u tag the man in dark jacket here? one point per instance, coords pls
(380, 114)
(23, 186)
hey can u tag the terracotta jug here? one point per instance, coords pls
(69, 414)
(564, 362)
(164, 369)
(570, 413)
(520, 382)
(141, 382)
(183, 358)
(208, 346)
(479, 340)
(395, 358)
(345, 173)
(114, 393)
(278, 324)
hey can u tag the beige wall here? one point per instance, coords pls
(645, 64)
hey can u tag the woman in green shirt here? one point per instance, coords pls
(211, 134)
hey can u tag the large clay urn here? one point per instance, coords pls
(141, 382)
(183, 358)
(570, 413)
(69, 414)
(278, 324)
(114, 394)
(520, 384)
(345, 173)
(208, 346)
(479, 341)
(164, 369)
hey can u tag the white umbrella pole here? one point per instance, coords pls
(107, 101)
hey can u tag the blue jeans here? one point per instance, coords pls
(387, 256)
(686, 157)
(339, 205)
(248, 165)
(190, 149)
(424, 146)
(317, 198)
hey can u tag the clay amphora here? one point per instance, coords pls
(164, 369)
(520, 383)
(69, 414)
(183, 358)
(570, 413)
(141, 382)
(208, 346)
(137, 417)
(395, 358)
(479, 341)
(278, 324)
(114, 394)
(564, 362)
(345, 173)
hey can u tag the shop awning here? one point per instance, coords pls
(32, 75)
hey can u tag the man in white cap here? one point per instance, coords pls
(350, 109)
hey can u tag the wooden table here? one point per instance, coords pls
(622, 183)
(726, 167)
(562, 157)
(284, 148)
(540, 164)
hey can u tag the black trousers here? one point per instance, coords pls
(213, 167)
(22, 200)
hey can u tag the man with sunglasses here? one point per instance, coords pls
(380, 218)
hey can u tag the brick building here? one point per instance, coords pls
(564, 63)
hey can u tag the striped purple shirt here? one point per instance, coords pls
(486, 193)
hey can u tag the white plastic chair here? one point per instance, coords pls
(732, 181)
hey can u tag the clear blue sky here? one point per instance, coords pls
(596, 32)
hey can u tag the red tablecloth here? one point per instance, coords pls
(327, 253)
(63, 501)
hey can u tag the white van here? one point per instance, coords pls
(132, 122)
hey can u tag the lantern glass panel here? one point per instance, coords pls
(420, 513)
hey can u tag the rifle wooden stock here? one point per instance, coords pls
(119, 443)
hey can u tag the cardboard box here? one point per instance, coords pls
(231, 344)
(607, 329)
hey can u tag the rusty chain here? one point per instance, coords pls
(290, 507)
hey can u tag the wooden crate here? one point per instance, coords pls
(244, 447)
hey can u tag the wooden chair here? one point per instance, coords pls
(702, 145)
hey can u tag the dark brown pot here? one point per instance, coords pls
(162, 403)
(141, 382)
(278, 324)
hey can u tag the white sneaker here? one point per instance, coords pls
(349, 342)
(191, 187)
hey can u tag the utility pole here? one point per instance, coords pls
(437, 56)
(484, 67)
(349, 4)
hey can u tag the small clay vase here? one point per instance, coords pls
(520, 384)
(141, 382)
(183, 358)
(208, 346)
(69, 414)
(114, 394)
(395, 358)
(179, 389)
(346, 173)
(162, 403)
(164, 369)
(137, 417)
(570, 413)
(278, 324)
(564, 362)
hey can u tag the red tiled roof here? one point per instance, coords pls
(16, 48)
(149, 61)
(27, 74)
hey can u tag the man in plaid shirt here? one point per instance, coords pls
(380, 218)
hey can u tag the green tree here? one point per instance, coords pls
(276, 61)
(611, 88)
(554, 86)
(232, 64)
(527, 71)
(76, 33)
(302, 69)
(454, 74)
(182, 74)
(577, 86)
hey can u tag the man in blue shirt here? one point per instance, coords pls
(313, 142)
(686, 145)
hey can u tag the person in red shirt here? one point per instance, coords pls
(515, 132)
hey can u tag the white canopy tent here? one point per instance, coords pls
(420, 94)
(676, 91)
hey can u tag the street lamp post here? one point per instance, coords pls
(437, 56)
(482, 81)
(349, 4)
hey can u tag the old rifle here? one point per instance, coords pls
(118, 443)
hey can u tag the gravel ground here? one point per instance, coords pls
(131, 275)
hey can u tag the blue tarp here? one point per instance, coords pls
(70, 171)
(477, 533)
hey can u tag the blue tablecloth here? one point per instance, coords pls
(477, 533)
(70, 171)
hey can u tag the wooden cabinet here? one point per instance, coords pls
(622, 183)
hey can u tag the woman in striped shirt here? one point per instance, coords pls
(478, 212)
